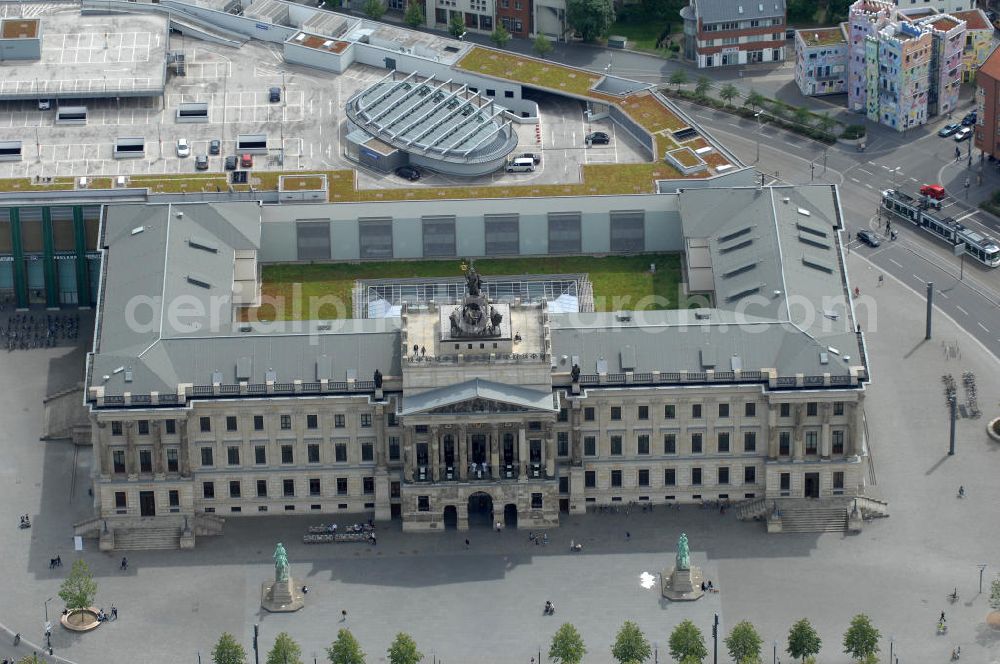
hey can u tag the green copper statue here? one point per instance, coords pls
(280, 563)
(683, 559)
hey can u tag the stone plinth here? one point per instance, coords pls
(681, 585)
(281, 596)
(774, 523)
(855, 522)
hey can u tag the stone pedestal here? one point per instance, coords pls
(855, 522)
(681, 585)
(106, 541)
(774, 523)
(281, 596)
(187, 539)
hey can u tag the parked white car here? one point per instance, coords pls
(183, 148)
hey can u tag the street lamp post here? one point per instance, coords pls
(774, 660)
(757, 117)
(46, 604)
(892, 643)
(982, 568)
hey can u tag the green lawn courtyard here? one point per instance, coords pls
(292, 291)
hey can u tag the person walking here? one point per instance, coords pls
(881, 278)
(124, 566)
(114, 612)
(466, 545)
(628, 536)
(343, 615)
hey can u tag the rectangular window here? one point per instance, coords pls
(234, 489)
(207, 457)
(438, 235)
(312, 421)
(643, 413)
(423, 504)
(258, 422)
(375, 233)
(723, 410)
(341, 486)
(838, 407)
(314, 487)
(590, 446)
(750, 409)
(170, 426)
(118, 459)
(562, 443)
(784, 443)
(564, 232)
(230, 423)
(262, 488)
(723, 437)
(208, 490)
(233, 456)
(367, 452)
(643, 477)
(260, 454)
(750, 475)
(286, 422)
(588, 414)
(174, 498)
(669, 411)
(670, 443)
(616, 478)
(696, 443)
(670, 477)
(288, 488)
(143, 426)
(616, 412)
(172, 464)
(642, 444)
(786, 482)
(784, 410)
(696, 411)
(340, 452)
(205, 423)
(145, 461)
(616, 445)
(368, 485)
(121, 501)
(628, 230)
(339, 421)
(749, 441)
(287, 454)
(502, 234)
(589, 479)
(391, 420)
(696, 476)
(812, 442)
(366, 420)
(116, 428)
(393, 448)
(811, 409)
(838, 480)
(838, 441)
(313, 240)
(563, 415)
(536, 501)
(312, 452)
(723, 475)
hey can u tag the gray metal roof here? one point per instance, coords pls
(478, 389)
(717, 11)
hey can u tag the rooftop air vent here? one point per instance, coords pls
(804, 212)
(785, 199)
(138, 229)
(201, 282)
(180, 214)
(128, 375)
(300, 37)
(623, 317)
(204, 245)
(702, 315)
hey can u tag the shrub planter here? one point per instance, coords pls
(80, 620)
(993, 429)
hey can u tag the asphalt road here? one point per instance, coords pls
(915, 257)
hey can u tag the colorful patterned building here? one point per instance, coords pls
(821, 60)
(899, 64)
(866, 18)
(948, 39)
(978, 41)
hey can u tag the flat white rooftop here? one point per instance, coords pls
(92, 56)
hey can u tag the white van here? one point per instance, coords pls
(521, 165)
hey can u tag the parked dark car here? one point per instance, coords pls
(869, 238)
(598, 138)
(274, 95)
(408, 173)
(969, 119)
(201, 162)
(231, 163)
(948, 129)
(214, 146)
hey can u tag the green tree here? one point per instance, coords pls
(631, 645)
(687, 643)
(744, 643)
(567, 646)
(456, 26)
(591, 18)
(285, 651)
(702, 86)
(345, 650)
(414, 14)
(228, 651)
(754, 100)
(542, 46)
(30, 659)
(728, 92)
(678, 77)
(861, 638)
(803, 641)
(500, 36)
(404, 650)
(802, 115)
(825, 122)
(374, 9)
(79, 589)
(995, 586)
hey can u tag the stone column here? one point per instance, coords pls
(855, 427)
(772, 431)
(463, 455)
(381, 441)
(131, 455)
(435, 454)
(575, 439)
(522, 452)
(182, 436)
(798, 445)
(100, 438)
(710, 413)
(824, 439)
(495, 451)
(409, 454)
(549, 455)
(158, 460)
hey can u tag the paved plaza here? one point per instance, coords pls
(485, 604)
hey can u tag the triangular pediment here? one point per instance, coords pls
(479, 396)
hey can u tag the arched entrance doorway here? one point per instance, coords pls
(510, 515)
(450, 517)
(480, 510)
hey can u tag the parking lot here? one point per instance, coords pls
(303, 129)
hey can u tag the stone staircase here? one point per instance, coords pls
(806, 516)
(147, 538)
(208, 524)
